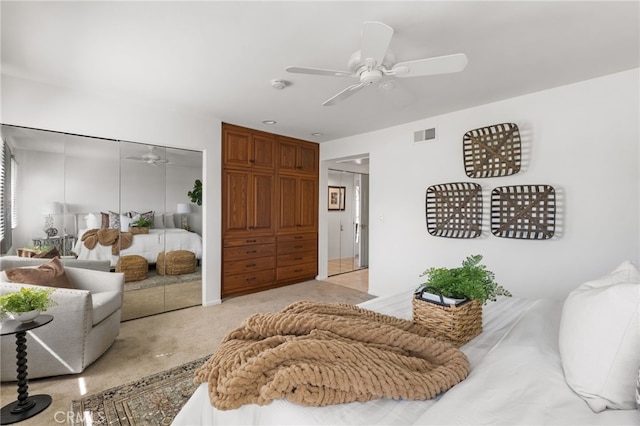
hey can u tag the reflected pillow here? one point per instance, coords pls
(148, 216)
(105, 220)
(50, 274)
(168, 221)
(114, 220)
(93, 221)
(125, 222)
(158, 221)
(599, 339)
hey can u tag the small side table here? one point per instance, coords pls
(26, 406)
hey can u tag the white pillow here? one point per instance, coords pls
(168, 221)
(125, 221)
(599, 339)
(93, 221)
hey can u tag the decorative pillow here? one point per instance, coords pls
(93, 221)
(599, 339)
(158, 221)
(125, 222)
(168, 221)
(114, 220)
(146, 215)
(105, 220)
(50, 274)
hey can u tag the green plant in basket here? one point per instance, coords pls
(471, 281)
(141, 222)
(26, 300)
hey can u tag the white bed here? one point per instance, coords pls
(517, 377)
(145, 245)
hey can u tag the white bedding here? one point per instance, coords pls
(145, 245)
(516, 378)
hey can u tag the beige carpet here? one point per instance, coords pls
(150, 345)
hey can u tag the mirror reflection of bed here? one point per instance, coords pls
(94, 175)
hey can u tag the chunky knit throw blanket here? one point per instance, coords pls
(318, 354)
(108, 237)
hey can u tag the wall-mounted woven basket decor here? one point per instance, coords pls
(492, 151)
(454, 210)
(523, 211)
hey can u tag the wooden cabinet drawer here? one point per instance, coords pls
(297, 271)
(249, 265)
(237, 283)
(297, 258)
(297, 237)
(297, 246)
(235, 242)
(246, 252)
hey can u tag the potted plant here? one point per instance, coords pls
(26, 304)
(196, 194)
(140, 226)
(471, 281)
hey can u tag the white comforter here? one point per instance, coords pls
(145, 245)
(516, 378)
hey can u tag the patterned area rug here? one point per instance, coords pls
(152, 400)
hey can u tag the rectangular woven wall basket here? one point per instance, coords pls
(453, 324)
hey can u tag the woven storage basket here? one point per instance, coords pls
(135, 267)
(139, 230)
(176, 262)
(456, 324)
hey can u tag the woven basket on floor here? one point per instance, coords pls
(135, 267)
(176, 262)
(456, 324)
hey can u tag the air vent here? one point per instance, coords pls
(425, 135)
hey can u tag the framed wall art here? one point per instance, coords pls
(523, 211)
(454, 210)
(492, 151)
(336, 197)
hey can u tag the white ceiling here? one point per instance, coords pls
(218, 58)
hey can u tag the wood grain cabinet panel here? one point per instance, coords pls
(269, 210)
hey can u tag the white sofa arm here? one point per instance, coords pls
(95, 281)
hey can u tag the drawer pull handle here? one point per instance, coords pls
(298, 258)
(298, 270)
(298, 247)
(298, 237)
(251, 279)
(251, 265)
(251, 251)
(251, 241)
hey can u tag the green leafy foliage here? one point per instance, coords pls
(196, 194)
(25, 300)
(142, 222)
(471, 281)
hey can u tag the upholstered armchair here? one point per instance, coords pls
(86, 321)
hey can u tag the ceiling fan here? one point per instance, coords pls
(150, 157)
(373, 62)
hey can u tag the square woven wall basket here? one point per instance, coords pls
(454, 324)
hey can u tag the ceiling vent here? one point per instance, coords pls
(425, 135)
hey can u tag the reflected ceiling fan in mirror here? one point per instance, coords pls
(373, 63)
(151, 157)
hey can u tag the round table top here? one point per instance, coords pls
(15, 326)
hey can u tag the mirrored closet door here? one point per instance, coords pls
(124, 204)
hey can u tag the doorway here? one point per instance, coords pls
(348, 222)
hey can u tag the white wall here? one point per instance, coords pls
(582, 138)
(31, 104)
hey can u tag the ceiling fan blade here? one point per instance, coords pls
(376, 37)
(431, 66)
(318, 71)
(344, 94)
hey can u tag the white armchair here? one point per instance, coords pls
(85, 324)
